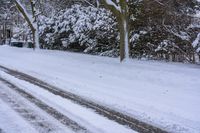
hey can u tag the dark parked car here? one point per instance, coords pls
(30, 44)
(17, 44)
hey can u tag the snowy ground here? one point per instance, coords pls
(22, 121)
(164, 94)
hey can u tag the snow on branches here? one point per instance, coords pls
(89, 29)
(30, 19)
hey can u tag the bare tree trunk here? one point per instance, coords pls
(196, 58)
(124, 39)
(121, 12)
(4, 33)
(36, 34)
(124, 31)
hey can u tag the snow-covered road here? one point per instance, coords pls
(72, 115)
(18, 115)
(71, 110)
(163, 94)
(107, 112)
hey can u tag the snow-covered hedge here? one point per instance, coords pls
(156, 33)
(88, 29)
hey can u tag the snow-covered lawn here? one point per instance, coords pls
(164, 94)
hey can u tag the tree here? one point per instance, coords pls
(120, 9)
(31, 20)
(164, 29)
(6, 15)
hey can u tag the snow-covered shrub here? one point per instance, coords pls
(169, 33)
(88, 29)
(156, 32)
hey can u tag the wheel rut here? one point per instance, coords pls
(35, 119)
(107, 112)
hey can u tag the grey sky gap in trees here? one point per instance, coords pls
(120, 9)
(31, 20)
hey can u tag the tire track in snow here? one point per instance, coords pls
(111, 114)
(1, 131)
(33, 117)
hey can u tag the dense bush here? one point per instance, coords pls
(85, 29)
(167, 32)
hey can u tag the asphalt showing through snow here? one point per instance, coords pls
(29, 115)
(111, 114)
(1, 131)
